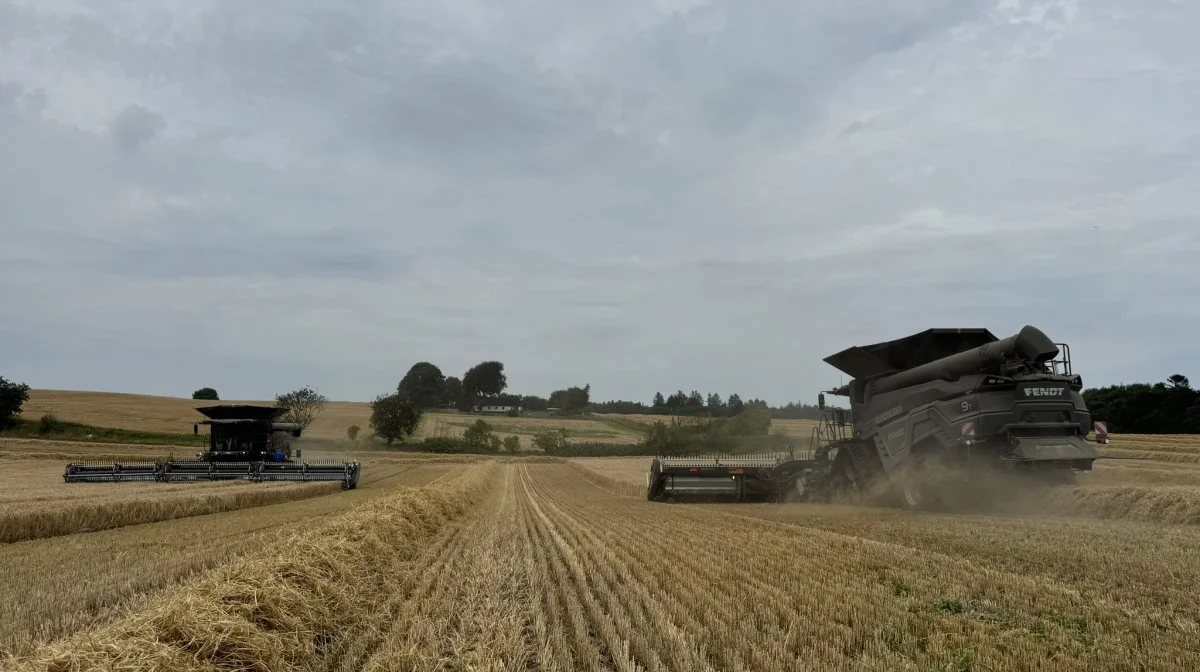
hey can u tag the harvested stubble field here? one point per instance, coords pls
(64, 584)
(557, 565)
(464, 562)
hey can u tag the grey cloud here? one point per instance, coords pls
(251, 257)
(134, 126)
(714, 197)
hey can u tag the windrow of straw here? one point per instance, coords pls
(1178, 504)
(299, 604)
(51, 519)
(1153, 455)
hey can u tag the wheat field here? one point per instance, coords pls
(523, 563)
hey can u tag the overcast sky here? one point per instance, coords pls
(640, 195)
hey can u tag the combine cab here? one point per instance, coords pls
(941, 407)
(245, 442)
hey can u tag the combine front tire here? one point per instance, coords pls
(913, 489)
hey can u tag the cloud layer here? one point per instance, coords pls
(679, 194)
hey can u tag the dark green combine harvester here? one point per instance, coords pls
(245, 442)
(940, 406)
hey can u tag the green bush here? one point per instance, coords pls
(450, 445)
(512, 443)
(551, 441)
(480, 437)
(49, 424)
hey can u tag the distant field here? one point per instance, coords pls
(174, 414)
(168, 414)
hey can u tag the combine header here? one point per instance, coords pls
(245, 442)
(940, 406)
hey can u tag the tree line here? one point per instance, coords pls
(696, 404)
(1168, 407)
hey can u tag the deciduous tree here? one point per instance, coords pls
(303, 405)
(12, 397)
(485, 379)
(423, 386)
(452, 391)
(394, 417)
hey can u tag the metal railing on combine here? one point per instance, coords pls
(833, 426)
(736, 459)
(751, 460)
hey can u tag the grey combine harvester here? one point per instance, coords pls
(245, 442)
(941, 401)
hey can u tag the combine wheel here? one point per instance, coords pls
(799, 489)
(796, 491)
(913, 489)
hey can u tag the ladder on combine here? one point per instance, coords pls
(834, 434)
(833, 429)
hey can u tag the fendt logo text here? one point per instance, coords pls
(1044, 391)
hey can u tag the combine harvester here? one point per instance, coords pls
(245, 442)
(942, 405)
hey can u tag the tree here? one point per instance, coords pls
(303, 406)
(352, 432)
(754, 420)
(206, 393)
(1178, 381)
(715, 405)
(573, 400)
(512, 443)
(695, 399)
(394, 417)
(659, 401)
(485, 379)
(424, 385)
(12, 397)
(452, 391)
(534, 403)
(734, 405)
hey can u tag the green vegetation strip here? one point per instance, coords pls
(57, 430)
